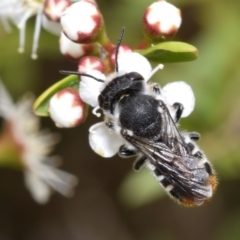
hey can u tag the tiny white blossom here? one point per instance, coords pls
(161, 20)
(182, 93)
(67, 109)
(82, 22)
(32, 148)
(19, 11)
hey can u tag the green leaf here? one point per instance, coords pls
(170, 52)
(40, 106)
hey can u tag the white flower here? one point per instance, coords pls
(82, 22)
(19, 11)
(134, 62)
(105, 141)
(161, 20)
(32, 148)
(67, 109)
(182, 93)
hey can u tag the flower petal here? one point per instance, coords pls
(104, 141)
(6, 104)
(51, 26)
(40, 190)
(180, 92)
(90, 88)
(134, 62)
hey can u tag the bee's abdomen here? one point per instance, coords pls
(186, 193)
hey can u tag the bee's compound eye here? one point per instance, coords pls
(135, 76)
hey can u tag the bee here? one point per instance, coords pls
(135, 109)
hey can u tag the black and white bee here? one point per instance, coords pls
(136, 110)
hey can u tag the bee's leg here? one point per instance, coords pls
(179, 110)
(139, 163)
(124, 151)
(198, 154)
(156, 88)
(193, 150)
(194, 136)
(190, 147)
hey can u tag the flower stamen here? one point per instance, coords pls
(94, 111)
(22, 38)
(36, 35)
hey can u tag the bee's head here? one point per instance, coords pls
(119, 87)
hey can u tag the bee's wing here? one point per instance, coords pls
(169, 132)
(181, 176)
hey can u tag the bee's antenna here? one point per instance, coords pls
(117, 48)
(80, 74)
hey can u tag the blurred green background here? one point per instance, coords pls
(112, 201)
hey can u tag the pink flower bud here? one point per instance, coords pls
(53, 9)
(161, 20)
(74, 50)
(67, 109)
(87, 64)
(82, 22)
